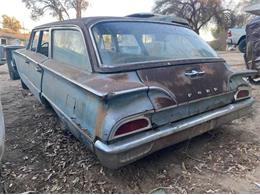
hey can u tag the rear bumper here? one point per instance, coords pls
(133, 148)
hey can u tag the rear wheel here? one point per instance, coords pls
(242, 45)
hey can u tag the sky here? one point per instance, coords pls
(17, 9)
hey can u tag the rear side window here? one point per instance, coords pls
(69, 47)
(35, 40)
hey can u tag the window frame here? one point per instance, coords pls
(34, 31)
(40, 40)
(89, 66)
(32, 40)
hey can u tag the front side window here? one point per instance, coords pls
(69, 47)
(137, 42)
(35, 40)
(44, 43)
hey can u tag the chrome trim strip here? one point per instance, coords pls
(62, 76)
(118, 93)
(97, 93)
(147, 137)
(240, 88)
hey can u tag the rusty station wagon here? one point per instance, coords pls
(127, 87)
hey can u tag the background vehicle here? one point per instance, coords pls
(237, 37)
(2, 55)
(6, 56)
(12, 69)
(252, 55)
(2, 131)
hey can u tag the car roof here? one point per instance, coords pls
(88, 21)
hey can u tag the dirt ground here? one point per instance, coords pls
(40, 158)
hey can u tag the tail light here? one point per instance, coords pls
(229, 34)
(242, 93)
(132, 126)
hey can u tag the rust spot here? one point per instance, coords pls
(99, 120)
(173, 79)
(107, 85)
(162, 102)
(119, 77)
(207, 69)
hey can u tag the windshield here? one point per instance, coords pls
(120, 43)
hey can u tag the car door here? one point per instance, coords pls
(35, 56)
(68, 63)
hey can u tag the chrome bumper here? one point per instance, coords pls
(133, 148)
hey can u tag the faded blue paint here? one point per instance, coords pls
(92, 104)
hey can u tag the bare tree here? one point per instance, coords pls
(11, 23)
(57, 8)
(197, 12)
(78, 5)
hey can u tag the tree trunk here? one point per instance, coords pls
(78, 9)
(197, 31)
(60, 16)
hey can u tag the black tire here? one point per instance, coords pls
(13, 73)
(242, 45)
(23, 85)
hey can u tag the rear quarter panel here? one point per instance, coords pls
(80, 95)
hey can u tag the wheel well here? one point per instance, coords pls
(242, 38)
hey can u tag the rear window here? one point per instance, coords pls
(121, 43)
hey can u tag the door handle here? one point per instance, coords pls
(38, 69)
(194, 73)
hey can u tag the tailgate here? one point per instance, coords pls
(206, 83)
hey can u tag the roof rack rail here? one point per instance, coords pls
(159, 17)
